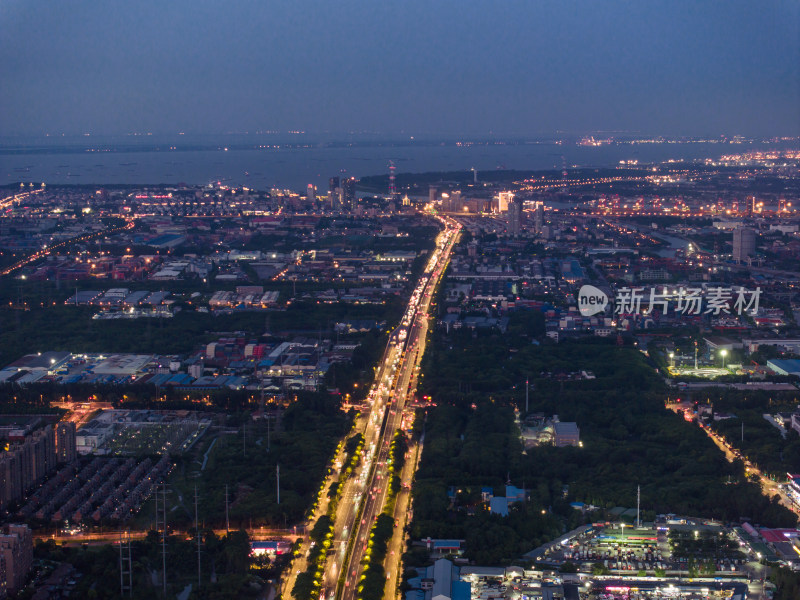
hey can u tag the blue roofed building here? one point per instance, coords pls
(784, 366)
(498, 505)
(461, 590)
(169, 240)
(515, 494)
(442, 580)
(439, 582)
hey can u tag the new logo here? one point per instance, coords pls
(591, 300)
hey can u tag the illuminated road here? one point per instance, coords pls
(49, 249)
(351, 494)
(402, 515)
(8, 202)
(112, 537)
(364, 493)
(768, 487)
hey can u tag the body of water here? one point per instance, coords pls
(238, 162)
(675, 243)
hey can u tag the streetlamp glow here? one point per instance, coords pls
(723, 353)
(672, 360)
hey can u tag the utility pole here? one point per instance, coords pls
(638, 501)
(227, 522)
(278, 479)
(156, 526)
(527, 389)
(125, 564)
(164, 540)
(197, 533)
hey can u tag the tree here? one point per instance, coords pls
(568, 567)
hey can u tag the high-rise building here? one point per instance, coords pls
(335, 199)
(28, 461)
(432, 191)
(10, 477)
(515, 217)
(455, 203)
(349, 200)
(504, 199)
(65, 441)
(42, 447)
(744, 243)
(311, 194)
(334, 193)
(538, 217)
(333, 183)
(16, 554)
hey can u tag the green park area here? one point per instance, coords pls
(628, 440)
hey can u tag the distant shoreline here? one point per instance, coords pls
(295, 166)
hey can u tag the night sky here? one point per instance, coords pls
(417, 67)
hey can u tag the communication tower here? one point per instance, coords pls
(392, 185)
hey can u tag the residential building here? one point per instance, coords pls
(744, 243)
(16, 552)
(515, 216)
(349, 200)
(65, 442)
(28, 461)
(538, 217)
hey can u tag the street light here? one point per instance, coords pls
(671, 360)
(723, 353)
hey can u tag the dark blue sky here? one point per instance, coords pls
(527, 67)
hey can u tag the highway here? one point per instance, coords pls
(364, 493)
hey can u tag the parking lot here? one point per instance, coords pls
(627, 550)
